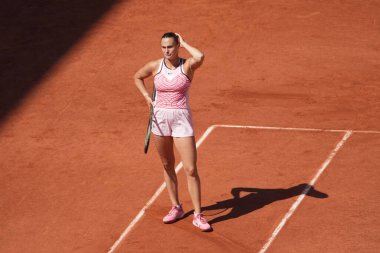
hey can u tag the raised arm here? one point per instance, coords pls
(139, 77)
(196, 59)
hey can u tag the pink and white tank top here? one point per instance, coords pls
(172, 87)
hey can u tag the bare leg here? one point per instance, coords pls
(187, 150)
(164, 145)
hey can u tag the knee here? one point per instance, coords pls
(191, 170)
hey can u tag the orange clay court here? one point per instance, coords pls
(287, 116)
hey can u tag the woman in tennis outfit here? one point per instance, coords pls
(172, 122)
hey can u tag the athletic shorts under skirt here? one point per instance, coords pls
(172, 122)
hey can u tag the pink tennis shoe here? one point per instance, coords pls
(174, 214)
(200, 222)
(177, 213)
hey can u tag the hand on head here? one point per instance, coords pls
(180, 39)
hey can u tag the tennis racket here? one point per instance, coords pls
(149, 128)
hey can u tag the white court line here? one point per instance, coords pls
(154, 197)
(305, 191)
(199, 142)
(299, 129)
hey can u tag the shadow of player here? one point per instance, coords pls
(256, 199)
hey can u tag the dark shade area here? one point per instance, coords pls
(34, 34)
(257, 198)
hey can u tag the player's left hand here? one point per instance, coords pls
(180, 39)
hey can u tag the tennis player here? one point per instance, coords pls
(172, 121)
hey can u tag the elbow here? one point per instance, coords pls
(200, 57)
(137, 80)
(136, 77)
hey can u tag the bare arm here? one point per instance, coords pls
(197, 57)
(139, 77)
